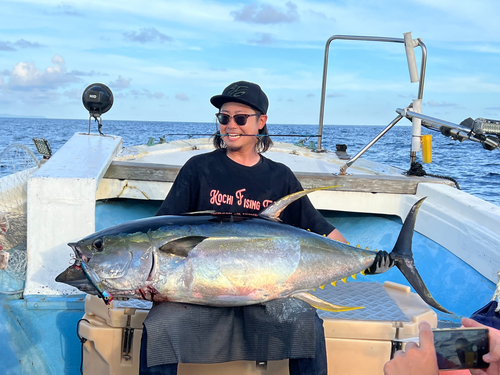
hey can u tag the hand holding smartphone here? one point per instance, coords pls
(461, 348)
(451, 348)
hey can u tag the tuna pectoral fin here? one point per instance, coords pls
(181, 246)
(320, 304)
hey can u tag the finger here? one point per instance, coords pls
(399, 353)
(467, 322)
(411, 345)
(493, 355)
(425, 335)
(380, 261)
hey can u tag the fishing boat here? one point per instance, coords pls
(93, 182)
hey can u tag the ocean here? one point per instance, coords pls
(475, 169)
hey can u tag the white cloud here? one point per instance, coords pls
(64, 10)
(147, 35)
(433, 103)
(26, 75)
(21, 43)
(264, 39)
(74, 94)
(181, 96)
(266, 14)
(120, 83)
(147, 94)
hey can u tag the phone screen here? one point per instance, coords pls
(461, 348)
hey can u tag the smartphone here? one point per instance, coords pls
(461, 348)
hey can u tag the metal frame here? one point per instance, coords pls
(457, 132)
(325, 74)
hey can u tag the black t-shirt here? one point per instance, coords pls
(215, 182)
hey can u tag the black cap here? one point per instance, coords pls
(243, 92)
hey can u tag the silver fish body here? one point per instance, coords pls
(204, 260)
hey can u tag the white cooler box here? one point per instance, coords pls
(358, 341)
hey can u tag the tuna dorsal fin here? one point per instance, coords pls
(181, 246)
(274, 211)
(322, 305)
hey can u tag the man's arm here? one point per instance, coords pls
(336, 235)
(383, 260)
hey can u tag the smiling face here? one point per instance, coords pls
(238, 138)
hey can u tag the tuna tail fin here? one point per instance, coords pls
(273, 211)
(403, 258)
(318, 303)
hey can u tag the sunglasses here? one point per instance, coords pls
(238, 119)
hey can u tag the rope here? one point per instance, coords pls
(416, 169)
(83, 340)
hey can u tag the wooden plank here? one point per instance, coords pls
(129, 170)
(367, 183)
(123, 170)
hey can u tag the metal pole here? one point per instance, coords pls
(343, 169)
(325, 71)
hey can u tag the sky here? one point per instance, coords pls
(163, 59)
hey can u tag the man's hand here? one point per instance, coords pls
(417, 359)
(493, 357)
(382, 263)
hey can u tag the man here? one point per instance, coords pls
(237, 180)
(238, 171)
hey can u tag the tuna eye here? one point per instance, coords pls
(98, 244)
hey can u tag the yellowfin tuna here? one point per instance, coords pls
(218, 261)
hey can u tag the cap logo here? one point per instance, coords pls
(237, 90)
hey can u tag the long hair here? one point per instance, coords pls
(263, 144)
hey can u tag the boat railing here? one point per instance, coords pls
(410, 44)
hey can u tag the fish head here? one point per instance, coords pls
(121, 263)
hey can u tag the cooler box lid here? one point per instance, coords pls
(391, 311)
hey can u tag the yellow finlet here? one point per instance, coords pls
(334, 283)
(344, 280)
(367, 248)
(348, 243)
(358, 245)
(354, 276)
(363, 272)
(322, 287)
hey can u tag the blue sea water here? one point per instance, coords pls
(475, 169)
